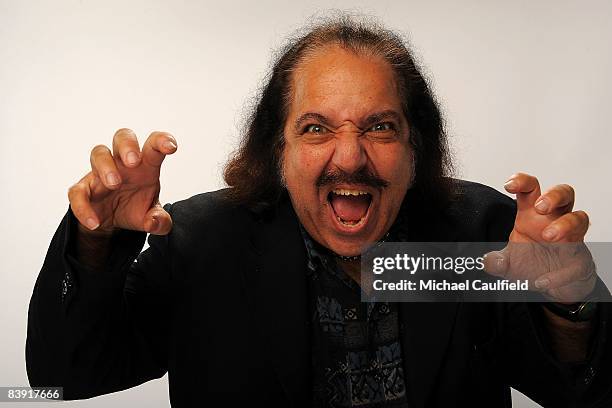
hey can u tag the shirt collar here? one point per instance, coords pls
(315, 252)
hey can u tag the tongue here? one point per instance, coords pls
(349, 207)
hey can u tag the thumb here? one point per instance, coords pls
(157, 221)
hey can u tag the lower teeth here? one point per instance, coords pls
(349, 223)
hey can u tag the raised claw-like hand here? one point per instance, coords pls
(546, 245)
(122, 188)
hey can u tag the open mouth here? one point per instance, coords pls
(350, 206)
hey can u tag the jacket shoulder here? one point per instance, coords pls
(209, 216)
(206, 207)
(479, 207)
(479, 196)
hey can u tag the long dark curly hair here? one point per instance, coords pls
(254, 170)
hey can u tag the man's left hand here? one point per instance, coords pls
(546, 245)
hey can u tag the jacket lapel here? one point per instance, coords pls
(426, 329)
(280, 300)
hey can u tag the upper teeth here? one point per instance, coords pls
(341, 191)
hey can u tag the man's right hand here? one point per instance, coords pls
(122, 188)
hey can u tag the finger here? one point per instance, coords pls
(558, 199)
(526, 188)
(103, 165)
(125, 146)
(577, 272)
(79, 195)
(570, 227)
(157, 221)
(157, 146)
(496, 263)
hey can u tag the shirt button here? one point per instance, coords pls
(590, 373)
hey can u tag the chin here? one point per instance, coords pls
(348, 245)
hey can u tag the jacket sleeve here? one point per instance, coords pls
(96, 332)
(525, 356)
(530, 366)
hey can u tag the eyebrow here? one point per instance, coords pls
(370, 120)
(317, 117)
(380, 116)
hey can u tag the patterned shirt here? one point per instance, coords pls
(356, 352)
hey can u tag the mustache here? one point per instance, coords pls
(362, 176)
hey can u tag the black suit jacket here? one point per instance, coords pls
(221, 305)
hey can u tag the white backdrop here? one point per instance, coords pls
(525, 86)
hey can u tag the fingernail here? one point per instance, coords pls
(542, 283)
(550, 233)
(510, 184)
(131, 158)
(542, 205)
(168, 144)
(91, 223)
(112, 179)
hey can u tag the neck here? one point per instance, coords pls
(353, 270)
(351, 265)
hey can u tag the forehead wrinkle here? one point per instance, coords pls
(324, 56)
(319, 81)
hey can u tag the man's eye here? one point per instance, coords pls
(314, 129)
(382, 127)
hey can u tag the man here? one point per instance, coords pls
(250, 295)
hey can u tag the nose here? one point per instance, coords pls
(349, 154)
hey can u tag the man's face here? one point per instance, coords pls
(347, 161)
